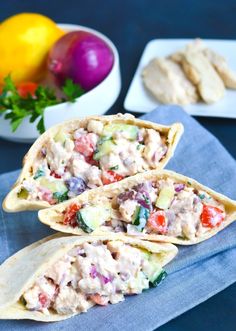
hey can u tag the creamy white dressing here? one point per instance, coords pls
(70, 155)
(90, 273)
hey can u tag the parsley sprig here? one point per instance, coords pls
(15, 108)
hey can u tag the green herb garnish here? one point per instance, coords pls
(114, 168)
(39, 173)
(72, 91)
(16, 108)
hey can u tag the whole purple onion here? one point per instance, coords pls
(81, 56)
(76, 186)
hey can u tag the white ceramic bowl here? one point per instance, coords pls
(95, 102)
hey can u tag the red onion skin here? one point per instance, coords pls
(82, 57)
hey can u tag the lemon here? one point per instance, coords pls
(25, 40)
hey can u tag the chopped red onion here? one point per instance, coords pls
(124, 276)
(106, 280)
(43, 151)
(196, 200)
(140, 136)
(143, 188)
(128, 195)
(144, 204)
(76, 186)
(93, 272)
(144, 200)
(140, 193)
(170, 216)
(119, 228)
(158, 155)
(80, 251)
(179, 187)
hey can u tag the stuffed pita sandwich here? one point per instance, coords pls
(62, 276)
(156, 205)
(87, 153)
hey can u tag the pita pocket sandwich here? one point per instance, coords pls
(88, 153)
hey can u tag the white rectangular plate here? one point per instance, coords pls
(139, 100)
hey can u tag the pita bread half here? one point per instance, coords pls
(53, 216)
(13, 202)
(19, 272)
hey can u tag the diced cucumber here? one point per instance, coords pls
(131, 131)
(140, 217)
(61, 137)
(114, 168)
(158, 278)
(154, 270)
(91, 217)
(23, 194)
(56, 185)
(165, 197)
(60, 197)
(104, 148)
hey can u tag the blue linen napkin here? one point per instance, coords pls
(198, 272)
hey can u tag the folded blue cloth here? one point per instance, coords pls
(198, 272)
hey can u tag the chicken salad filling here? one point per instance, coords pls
(165, 207)
(74, 161)
(100, 272)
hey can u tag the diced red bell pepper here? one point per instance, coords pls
(157, 222)
(43, 299)
(212, 216)
(110, 176)
(54, 174)
(90, 160)
(85, 145)
(27, 88)
(70, 214)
